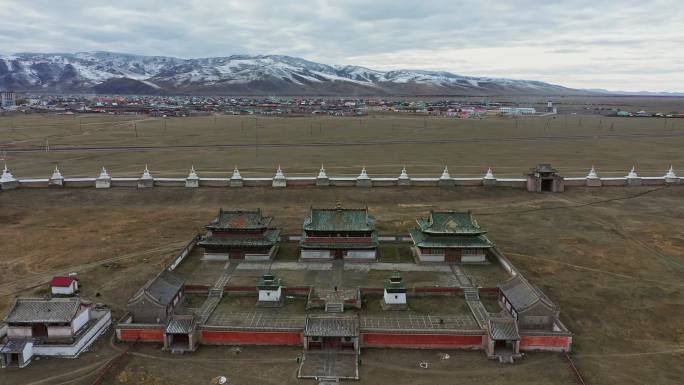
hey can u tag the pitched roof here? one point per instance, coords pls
(339, 219)
(61, 281)
(522, 294)
(467, 241)
(503, 329)
(268, 238)
(162, 288)
(240, 220)
(326, 326)
(180, 325)
(27, 310)
(543, 168)
(450, 222)
(14, 346)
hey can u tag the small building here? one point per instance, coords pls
(336, 333)
(7, 99)
(394, 295)
(450, 236)
(240, 234)
(155, 301)
(528, 305)
(339, 233)
(503, 339)
(180, 333)
(544, 178)
(62, 327)
(270, 291)
(64, 285)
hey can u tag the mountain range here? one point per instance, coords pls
(118, 73)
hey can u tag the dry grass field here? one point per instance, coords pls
(382, 143)
(612, 258)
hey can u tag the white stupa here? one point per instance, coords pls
(7, 175)
(322, 178)
(236, 178)
(146, 180)
(322, 174)
(632, 174)
(632, 178)
(192, 180)
(445, 174)
(104, 180)
(489, 175)
(671, 177)
(7, 180)
(592, 174)
(57, 179)
(363, 180)
(279, 178)
(404, 179)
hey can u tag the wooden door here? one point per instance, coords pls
(39, 330)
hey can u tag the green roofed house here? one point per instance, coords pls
(339, 233)
(450, 236)
(270, 290)
(240, 234)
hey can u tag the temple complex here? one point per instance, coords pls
(339, 233)
(450, 236)
(240, 234)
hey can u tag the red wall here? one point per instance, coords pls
(250, 338)
(147, 335)
(419, 340)
(545, 343)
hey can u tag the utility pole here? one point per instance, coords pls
(135, 128)
(256, 136)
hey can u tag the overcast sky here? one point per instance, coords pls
(616, 45)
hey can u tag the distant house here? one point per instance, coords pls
(64, 285)
(154, 302)
(450, 236)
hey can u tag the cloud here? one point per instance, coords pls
(614, 44)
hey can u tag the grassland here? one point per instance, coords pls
(612, 258)
(382, 143)
(613, 266)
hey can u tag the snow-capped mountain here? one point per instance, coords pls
(106, 72)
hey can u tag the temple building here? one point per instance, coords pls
(450, 236)
(528, 305)
(155, 302)
(394, 295)
(339, 233)
(270, 291)
(240, 234)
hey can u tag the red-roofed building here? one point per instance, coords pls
(64, 285)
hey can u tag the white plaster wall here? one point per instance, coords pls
(315, 253)
(75, 349)
(81, 319)
(19, 332)
(270, 295)
(361, 254)
(215, 256)
(257, 257)
(395, 298)
(430, 257)
(59, 331)
(473, 258)
(71, 289)
(27, 353)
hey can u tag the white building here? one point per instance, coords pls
(7, 99)
(517, 111)
(64, 285)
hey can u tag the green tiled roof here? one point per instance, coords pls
(269, 238)
(239, 220)
(468, 241)
(395, 283)
(450, 222)
(268, 281)
(339, 219)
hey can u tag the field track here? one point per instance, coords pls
(384, 142)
